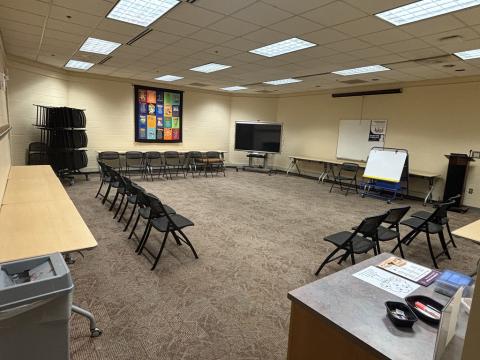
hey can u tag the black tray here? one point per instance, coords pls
(410, 300)
(392, 306)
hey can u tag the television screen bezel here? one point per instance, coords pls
(259, 123)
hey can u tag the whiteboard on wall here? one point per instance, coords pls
(385, 164)
(357, 137)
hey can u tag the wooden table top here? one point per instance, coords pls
(358, 309)
(470, 231)
(37, 217)
(323, 160)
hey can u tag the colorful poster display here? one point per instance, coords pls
(158, 115)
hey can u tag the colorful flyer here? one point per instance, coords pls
(159, 97)
(175, 122)
(159, 109)
(168, 110)
(151, 121)
(175, 99)
(159, 134)
(142, 96)
(151, 96)
(151, 108)
(151, 134)
(159, 122)
(168, 122)
(167, 134)
(142, 108)
(168, 98)
(175, 110)
(175, 134)
(142, 133)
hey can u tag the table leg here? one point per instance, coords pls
(431, 184)
(290, 166)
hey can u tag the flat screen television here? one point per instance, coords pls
(257, 136)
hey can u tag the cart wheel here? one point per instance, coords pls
(389, 201)
(95, 332)
(363, 195)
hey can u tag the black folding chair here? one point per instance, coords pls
(166, 223)
(214, 163)
(429, 227)
(391, 232)
(153, 163)
(172, 162)
(114, 182)
(193, 162)
(133, 198)
(122, 190)
(346, 178)
(134, 161)
(441, 220)
(359, 241)
(112, 159)
(104, 177)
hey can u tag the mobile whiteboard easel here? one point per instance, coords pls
(386, 168)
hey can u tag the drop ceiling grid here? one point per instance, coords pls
(354, 23)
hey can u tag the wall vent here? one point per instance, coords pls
(198, 84)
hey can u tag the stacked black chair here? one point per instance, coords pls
(346, 178)
(111, 158)
(359, 241)
(194, 163)
(64, 139)
(172, 162)
(214, 162)
(165, 222)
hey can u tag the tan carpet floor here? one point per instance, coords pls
(257, 236)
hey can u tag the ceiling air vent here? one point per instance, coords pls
(104, 60)
(354, 81)
(139, 36)
(442, 59)
(189, 1)
(198, 84)
(264, 91)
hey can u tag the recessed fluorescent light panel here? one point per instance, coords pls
(424, 9)
(361, 70)
(467, 55)
(234, 88)
(209, 68)
(79, 65)
(99, 46)
(141, 12)
(283, 81)
(283, 47)
(169, 78)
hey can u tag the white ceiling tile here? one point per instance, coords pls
(220, 51)
(385, 59)
(59, 46)
(243, 44)
(193, 15)
(94, 7)
(469, 16)
(160, 37)
(88, 57)
(297, 7)
(30, 6)
(192, 44)
(33, 40)
(147, 44)
(266, 36)
(406, 45)
(370, 52)
(234, 26)
(21, 16)
(348, 45)
(460, 46)
(376, 6)
(386, 37)
(296, 26)
(54, 24)
(76, 17)
(318, 52)
(224, 7)
(58, 61)
(120, 27)
(174, 27)
(20, 27)
(14, 49)
(432, 26)
(60, 35)
(110, 36)
(334, 13)
(363, 26)
(211, 36)
(451, 38)
(262, 14)
(422, 53)
(324, 36)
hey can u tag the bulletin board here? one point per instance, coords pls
(158, 115)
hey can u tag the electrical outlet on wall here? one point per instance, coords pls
(470, 190)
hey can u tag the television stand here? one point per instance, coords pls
(257, 168)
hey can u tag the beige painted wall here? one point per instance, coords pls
(5, 140)
(109, 109)
(429, 121)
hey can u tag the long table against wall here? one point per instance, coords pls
(329, 165)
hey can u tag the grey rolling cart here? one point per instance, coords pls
(35, 307)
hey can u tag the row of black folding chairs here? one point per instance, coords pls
(144, 205)
(385, 227)
(168, 163)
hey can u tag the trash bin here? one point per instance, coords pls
(35, 306)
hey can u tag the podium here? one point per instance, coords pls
(455, 182)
